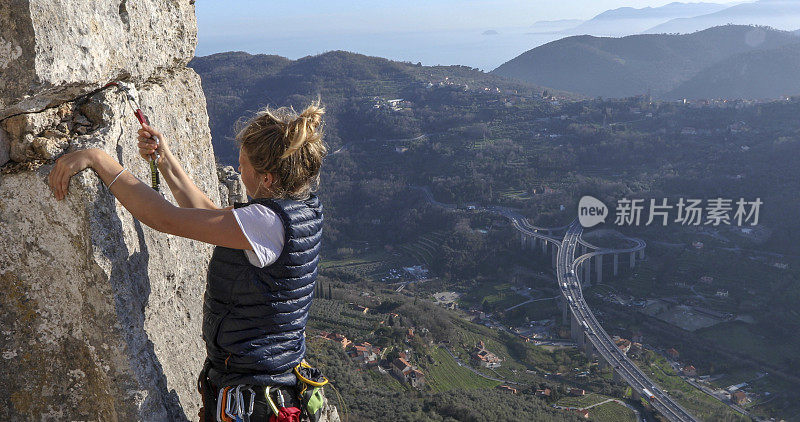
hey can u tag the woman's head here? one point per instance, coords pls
(281, 152)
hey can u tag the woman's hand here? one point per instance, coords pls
(148, 145)
(67, 166)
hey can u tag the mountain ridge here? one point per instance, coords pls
(629, 20)
(779, 14)
(636, 64)
(238, 83)
(755, 74)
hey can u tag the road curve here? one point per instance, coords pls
(571, 290)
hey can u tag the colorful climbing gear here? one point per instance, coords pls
(282, 413)
(309, 386)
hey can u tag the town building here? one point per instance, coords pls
(671, 352)
(623, 344)
(739, 398)
(338, 338)
(405, 372)
(365, 353)
(485, 358)
(512, 390)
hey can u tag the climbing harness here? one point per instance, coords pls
(241, 403)
(155, 179)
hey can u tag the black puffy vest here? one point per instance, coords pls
(254, 318)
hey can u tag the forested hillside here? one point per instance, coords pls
(237, 84)
(415, 152)
(756, 74)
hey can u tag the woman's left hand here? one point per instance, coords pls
(67, 166)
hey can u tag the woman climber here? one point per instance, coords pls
(263, 269)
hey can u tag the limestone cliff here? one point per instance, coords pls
(100, 316)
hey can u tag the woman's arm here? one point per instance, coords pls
(182, 187)
(214, 226)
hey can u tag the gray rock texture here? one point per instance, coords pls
(231, 188)
(103, 319)
(53, 50)
(5, 147)
(100, 316)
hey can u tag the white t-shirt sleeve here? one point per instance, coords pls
(264, 230)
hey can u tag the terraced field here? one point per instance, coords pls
(611, 412)
(425, 249)
(520, 194)
(446, 375)
(583, 401)
(333, 315)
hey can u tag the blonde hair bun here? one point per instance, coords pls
(303, 129)
(288, 145)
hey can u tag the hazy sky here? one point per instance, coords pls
(242, 16)
(431, 31)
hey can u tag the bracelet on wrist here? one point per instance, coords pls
(116, 177)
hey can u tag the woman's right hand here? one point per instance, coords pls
(148, 144)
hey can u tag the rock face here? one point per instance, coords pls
(52, 51)
(231, 188)
(100, 316)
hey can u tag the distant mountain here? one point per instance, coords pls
(554, 26)
(778, 14)
(756, 74)
(620, 67)
(237, 84)
(629, 20)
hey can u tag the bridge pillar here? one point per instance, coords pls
(554, 253)
(587, 346)
(576, 332)
(564, 311)
(532, 241)
(599, 267)
(587, 272)
(641, 254)
(633, 259)
(616, 264)
(522, 241)
(544, 246)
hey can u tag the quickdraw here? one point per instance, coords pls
(231, 404)
(155, 180)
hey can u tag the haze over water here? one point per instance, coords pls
(445, 47)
